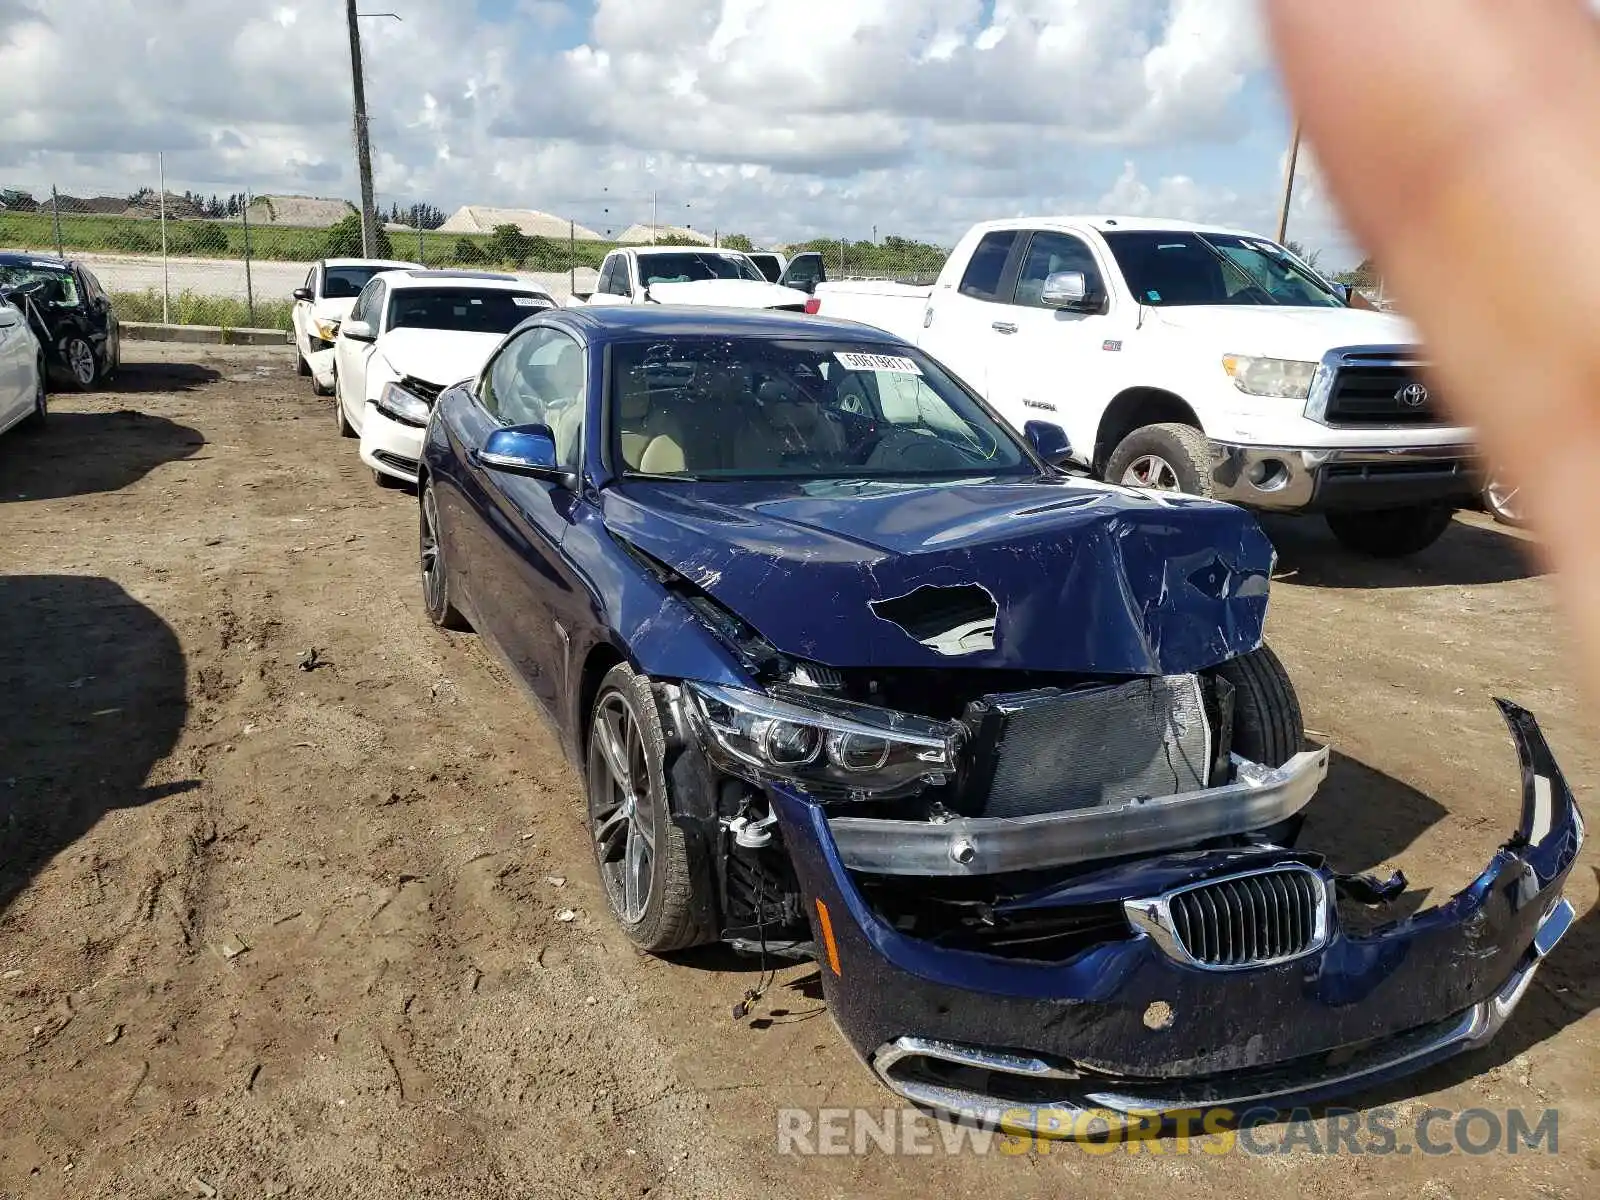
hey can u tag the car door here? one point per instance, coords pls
(353, 354)
(1047, 369)
(804, 272)
(104, 330)
(966, 329)
(16, 367)
(612, 287)
(525, 592)
(301, 315)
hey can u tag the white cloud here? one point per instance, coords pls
(784, 118)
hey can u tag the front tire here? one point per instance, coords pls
(642, 855)
(1267, 724)
(301, 367)
(82, 369)
(1391, 532)
(435, 568)
(1502, 500)
(1163, 458)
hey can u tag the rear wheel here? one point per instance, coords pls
(1392, 532)
(35, 420)
(345, 429)
(1164, 458)
(435, 569)
(642, 855)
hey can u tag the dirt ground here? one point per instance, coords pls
(268, 931)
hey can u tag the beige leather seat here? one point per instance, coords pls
(651, 439)
(787, 423)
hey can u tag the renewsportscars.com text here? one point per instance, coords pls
(1217, 1131)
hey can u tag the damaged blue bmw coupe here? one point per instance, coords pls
(852, 671)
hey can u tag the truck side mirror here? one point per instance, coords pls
(1342, 290)
(1069, 290)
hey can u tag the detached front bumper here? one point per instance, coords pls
(320, 360)
(1130, 1025)
(1296, 479)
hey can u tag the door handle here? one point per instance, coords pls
(1003, 327)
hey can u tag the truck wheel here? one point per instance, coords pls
(1503, 500)
(1164, 458)
(1392, 532)
(644, 859)
(1267, 725)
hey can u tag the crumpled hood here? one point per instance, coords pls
(1297, 333)
(441, 356)
(727, 293)
(1083, 577)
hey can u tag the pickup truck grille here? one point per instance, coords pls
(1378, 395)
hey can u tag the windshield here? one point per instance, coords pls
(693, 265)
(345, 283)
(1191, 268)
(469, 310)
(46, 283)
(750, 408)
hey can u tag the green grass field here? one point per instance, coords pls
(225, 239)
(187, 308)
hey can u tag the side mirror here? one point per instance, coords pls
(1069, 290)
(358, 331)
(525, 450)
(302, 293)
(1049, 442)
(1342, 291)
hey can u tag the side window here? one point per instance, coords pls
(360, 309)
(988, 264)
(614, 278)
(1048, 254)
(539, 380)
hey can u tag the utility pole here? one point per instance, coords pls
(363, 145)
(655, 212)
(1288, 184)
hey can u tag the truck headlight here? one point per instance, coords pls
(403, 406)
(833, 748)
(1287, 378)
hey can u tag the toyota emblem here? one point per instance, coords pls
(1413, 395)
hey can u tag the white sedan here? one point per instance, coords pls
(410, 335)
(331, 287)
(22, 380)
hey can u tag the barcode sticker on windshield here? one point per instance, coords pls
(877, 362)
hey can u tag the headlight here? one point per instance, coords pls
(326, 330)
(1285, 377)
(403, 406)
(833, 748)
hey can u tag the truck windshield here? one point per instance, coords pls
(1180, 268)
(711, 408)
(692, 266)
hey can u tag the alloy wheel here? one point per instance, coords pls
(621, 810)
(1153, 472)
(432, 559)
(1504, 499)
(80, 361)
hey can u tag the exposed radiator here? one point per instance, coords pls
(1054, 750)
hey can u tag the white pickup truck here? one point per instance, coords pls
(1192, 359)
(687, 275)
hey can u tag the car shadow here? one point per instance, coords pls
(1468, 553)
(138, 377)
(94, 697)
(81, 453)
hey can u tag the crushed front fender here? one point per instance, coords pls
(1135, 1023)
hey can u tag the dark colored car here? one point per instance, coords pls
(70, 313)
(852, 671)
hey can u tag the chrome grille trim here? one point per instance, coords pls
(1253, 919)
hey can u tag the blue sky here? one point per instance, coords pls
(783, 119)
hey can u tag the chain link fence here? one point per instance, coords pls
(179, 254)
